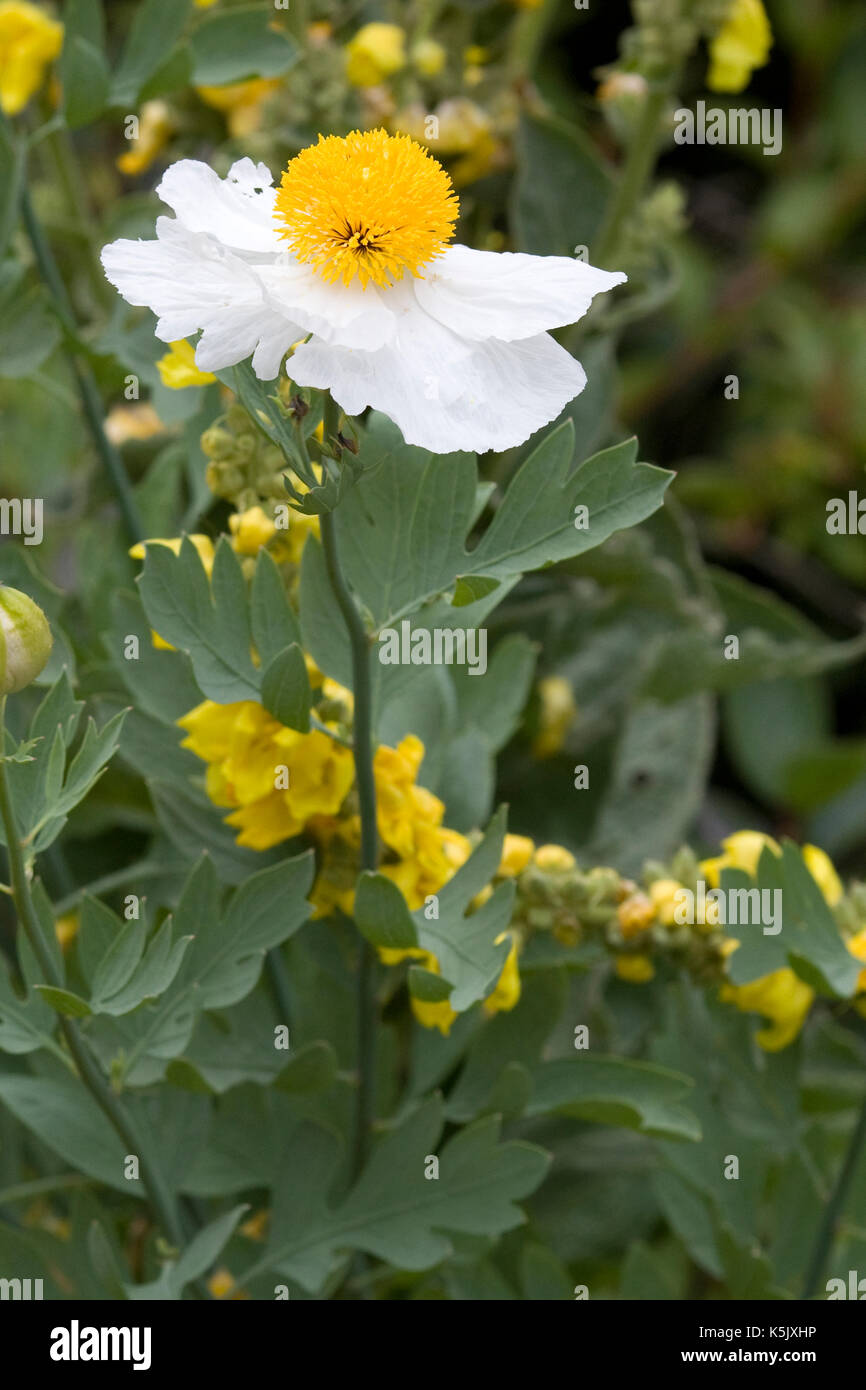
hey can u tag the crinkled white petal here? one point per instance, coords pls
(191, 282)
(508, 295)
(238, 210)
(346, 315)
(445, 392)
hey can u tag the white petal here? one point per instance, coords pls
(191, 282)
(346, 315)
(445, 392)
(508, 295)
(238, 210)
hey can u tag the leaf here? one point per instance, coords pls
(196, 1259)
(561, 189)
(84, 79)
(29, 332)
(209, 621)
(274, 625)
(401, 561)
(394, 1212)
(382, 914)
(615, 1091)
(62, 1114)
(25, 1024)
(155, 28)
(286, 689)
(465, 946)
(226, 953)
(64, 1002)
(657, 784)
(239, 44)
(472, 587)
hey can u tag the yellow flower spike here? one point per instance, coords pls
(155, 129)
(375, 52)
(177, 367)
(29, 41)
(507, 991)
(428, 57)
(517, 850)
(782, 997)
(369, 204)
(553, 859)
(557, 709)
(251, 530)
(820, 866)
(637, 970)
(742, 44)
(663, 894)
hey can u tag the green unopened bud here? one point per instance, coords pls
(25, 640)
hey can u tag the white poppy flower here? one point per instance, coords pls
(351, 253)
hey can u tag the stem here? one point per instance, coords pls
(638, 167)
(833, 1210)
(363, 754)
(91, 401)
(90, 1073)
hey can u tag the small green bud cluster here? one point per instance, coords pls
(243, 466)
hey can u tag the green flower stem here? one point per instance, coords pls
(635, 175)
(363, 754)
(90, 1073)
(832, 1212)
(529, 29)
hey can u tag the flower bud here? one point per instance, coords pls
(25, 640)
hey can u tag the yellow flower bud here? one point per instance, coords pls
(553, 858)
(517, 850)
(635, 914)
(664, 898)
(25, 640)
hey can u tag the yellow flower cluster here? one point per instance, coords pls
(275, 778)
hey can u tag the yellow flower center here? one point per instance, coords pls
(367, 204)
